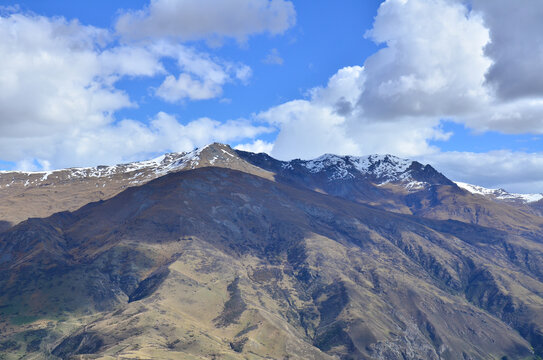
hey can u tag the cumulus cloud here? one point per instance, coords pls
(53, 78)
(330, 121)
(257, 146)
(201, 77)
(207, 19)
(69, 74)
(462, 70)
(395, 101)
(441, 59)
(127, 140)
(203, 131)
(59, 95)
(433, 63)
(510, 117)
(516, 46)
(307, 130)
(444, 59)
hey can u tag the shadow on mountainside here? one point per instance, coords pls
(4, 225)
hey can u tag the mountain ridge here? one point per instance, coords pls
(262, 227)
(380, 169)
(500, 194)
(393, 168)
(238, 255)
(40, 194)
(384, 181)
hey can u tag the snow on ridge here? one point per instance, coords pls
(476, 189)
(136, 172)
(500, 194)
(160, 165)
(385, 167)
(529, 197)
(326, 160)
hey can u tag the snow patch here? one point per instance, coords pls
(383, 168)
(137, 172)
(227, 153)
(499, 194)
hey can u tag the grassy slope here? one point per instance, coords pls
(271, 271)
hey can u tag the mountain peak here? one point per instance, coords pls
(379, 169)
(383, 168)
(78, 186)
(219, 260)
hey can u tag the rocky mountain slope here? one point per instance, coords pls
(244, 257)
(41, 194)
(399, 185)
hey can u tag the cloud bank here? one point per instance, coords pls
(60, 92)
(207, 19)
(474, 62)
(441, 59)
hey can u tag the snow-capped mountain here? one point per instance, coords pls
(387, 168)
(370, 179)
(500, 194)
(43, 193)
(199, 257)
(132, 173)
(377, 169)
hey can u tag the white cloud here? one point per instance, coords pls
(209, 19)
(514, 171)
(510, 117)
(130, 61)
(201, 77)
(441, 60)
(331, 122)
(203, 131)
(433, 63)
(54, 77)
(59, 95)
(307, 130)
(394, 103)
(185, 86)
(445, 60)
(257, 146)
(128, 140)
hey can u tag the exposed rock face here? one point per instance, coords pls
(402, 186)
(211, 262)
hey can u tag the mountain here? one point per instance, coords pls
(399, 185)
(377, 169)
(247, 257)
(501, 194)
(41, 194)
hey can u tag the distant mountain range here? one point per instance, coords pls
(226, 254)
(44, 193)
(500, 194)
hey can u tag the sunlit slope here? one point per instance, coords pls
(219, 263)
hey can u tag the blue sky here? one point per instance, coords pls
(312, 51)
(449, 82)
